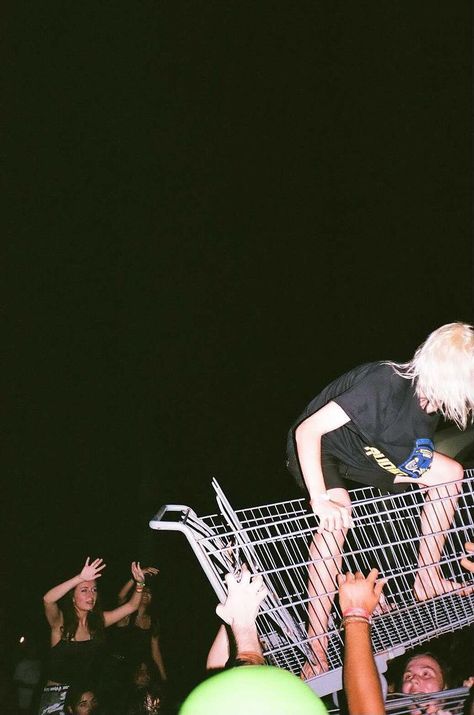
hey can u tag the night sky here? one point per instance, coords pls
(213, 209)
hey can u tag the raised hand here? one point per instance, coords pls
(151, 570)
(243, 598)
(355, 591)
(91, 571)
(137, 573)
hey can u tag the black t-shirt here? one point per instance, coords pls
(388, 430)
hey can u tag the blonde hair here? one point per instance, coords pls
(442, 370)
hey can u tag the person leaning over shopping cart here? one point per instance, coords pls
(375, 425)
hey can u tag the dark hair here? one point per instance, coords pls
(151, 610)
(75, 693)
(95, 619)
(469, 702)
(150, 665)
(136, 697)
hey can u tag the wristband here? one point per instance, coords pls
(140, 583)
(355, 619)
(353, 611)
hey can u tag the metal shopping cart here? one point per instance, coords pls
(274, 541)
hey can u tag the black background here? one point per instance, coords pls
(212, 209)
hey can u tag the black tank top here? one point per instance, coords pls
(74, 661)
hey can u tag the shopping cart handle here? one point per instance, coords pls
(162, 517)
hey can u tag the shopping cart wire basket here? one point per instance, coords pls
(274, 540)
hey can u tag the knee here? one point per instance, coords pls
(453, 476)
(455, 472)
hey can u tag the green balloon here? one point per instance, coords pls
(253, 690)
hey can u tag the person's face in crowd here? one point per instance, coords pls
(142, 676)
(422, 674)
(146, 596)
(86, 704)
(85, 596)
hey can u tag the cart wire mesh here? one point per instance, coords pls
(445, 702)
(274, 540)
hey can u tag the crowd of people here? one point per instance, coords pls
(373, 425)
(110, 662)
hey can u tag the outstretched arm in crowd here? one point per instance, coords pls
(158, 657)
(127, 587)
(111, 617)
(239, 612)
(358, 597)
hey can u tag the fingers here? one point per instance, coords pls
(468, 565)
(151, 570)
(230, 579)
(378, 588)
(245, 574)
(329, 523)
(137, 572)
(337, 518)
(347, 522)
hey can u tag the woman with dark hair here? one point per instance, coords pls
(81, 700)
(77, 630)
(143, 696)
(138, 634)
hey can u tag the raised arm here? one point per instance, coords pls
(126, 588)
(240, 612)
(89, 572)
(358, 596)
(157, 656)
(111, 617)
(308, 436)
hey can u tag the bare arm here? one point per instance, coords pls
(361, 679)
(240, 612)
(127, 587)
(308, 444)
(158, 657)
(219, 652)
(124, 591)
(111, 617)
(89, 572)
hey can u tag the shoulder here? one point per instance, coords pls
(369, 372)
(381, 371)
